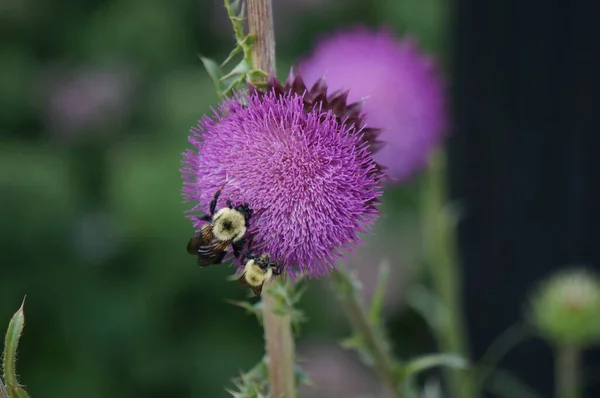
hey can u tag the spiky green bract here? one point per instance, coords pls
(13, 334)
(242, 72)
(255, 382)
(565, 308)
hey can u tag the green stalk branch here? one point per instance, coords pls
(442, 260)
(568, 384)
(366, 331)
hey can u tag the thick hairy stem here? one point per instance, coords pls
(278, 328)
(279, 343)
(260, 24)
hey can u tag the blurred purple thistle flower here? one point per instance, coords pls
(303, 162)
(403, 92)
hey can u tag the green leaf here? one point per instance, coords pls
(236, 50)
(429, 361)
(506, 385)
(13, 334)
(236, 13)
(506, 341)
(352, 342)
(242, 68)
(254, 309)
(253, 383)
(214, 71)
(377, 301)
(302, 378)
(427, 304)
(235, 83)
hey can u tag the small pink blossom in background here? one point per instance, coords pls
(86, 98)
(402, 89)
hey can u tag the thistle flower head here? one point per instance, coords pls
(302, 161)
(566, 307)
(401, 89)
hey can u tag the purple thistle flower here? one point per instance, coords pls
(403, 92)
(307, 173)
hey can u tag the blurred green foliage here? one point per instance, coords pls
(91, 221)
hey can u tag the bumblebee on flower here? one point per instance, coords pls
(301, 159)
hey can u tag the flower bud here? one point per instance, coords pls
(566, 307)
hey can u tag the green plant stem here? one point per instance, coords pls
(442, 259)
(512, 336)
(568, 383)
(279, 340)
(383, 363)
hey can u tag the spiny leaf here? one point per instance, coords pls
(241, 69)
(286, 296)
(236, 13)
(235, 83)
(377, 300)
(13, 334)
(256, 74)
(253, 383)
(214, 71)
(255, 309)
(429, 361)
(506, 385)
(427, 304)
(357, 343)
(302, 378)
(236, 50)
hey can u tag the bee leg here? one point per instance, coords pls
(248, 254)
(206, 217)
(213, 203)
(278, 269)
(238, 246)
(229, 204)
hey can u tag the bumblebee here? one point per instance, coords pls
(226, 226)
(258, 270)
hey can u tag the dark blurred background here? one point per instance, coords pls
(525, 161)
(96, 99)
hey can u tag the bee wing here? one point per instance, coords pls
(196, 242)
(257, 290)
(193, 244)
(212, 254)
(211, 258)
(242, 280)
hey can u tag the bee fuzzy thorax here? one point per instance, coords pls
(229, 225)
(255, 275)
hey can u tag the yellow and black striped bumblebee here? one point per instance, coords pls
(258, 269)
(227, 226)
